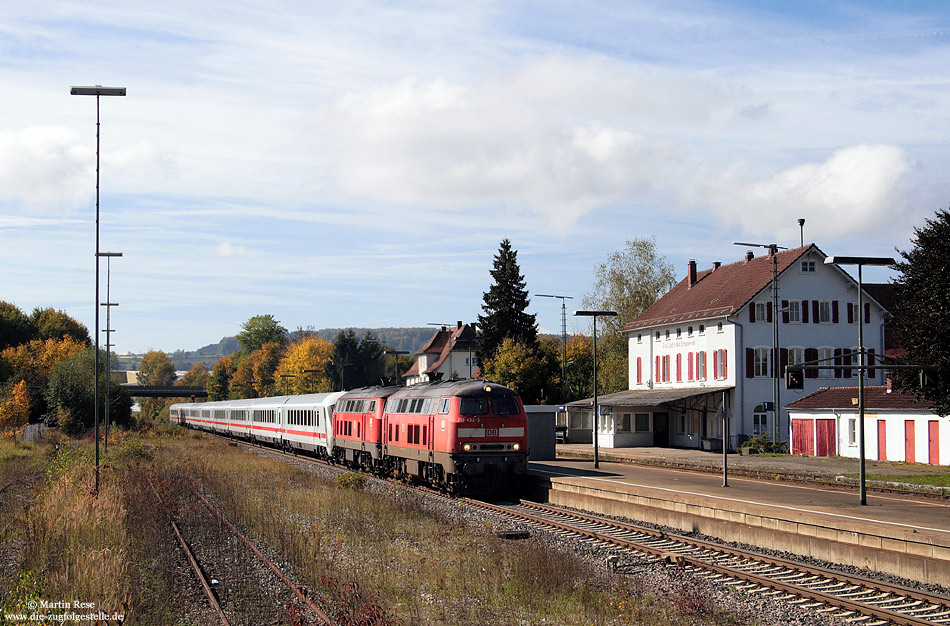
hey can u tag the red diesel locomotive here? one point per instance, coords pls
(464, 435)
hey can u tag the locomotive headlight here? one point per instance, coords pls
(517, 446)
(467, 447)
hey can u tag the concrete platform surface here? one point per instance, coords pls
(899, 534)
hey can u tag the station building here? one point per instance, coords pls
(450, 353)
(705, 351)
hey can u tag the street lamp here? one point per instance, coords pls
(311, 372)
(285, 377)
(563, 334)
(108, 331)
(97, 90)
(595, 314)
(396, 354)
(860, 261)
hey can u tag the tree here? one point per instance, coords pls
(155, 369)
(356, 363)
(580, 368)
(265, 361)
(15, 326)
(52, 324)
(71, 398)
(310, 352)
(923, 309)
(220, 380)
(629, 281)
(14, 407)
(32, 363)
(259, 330)
(532, 371)
(197, 376)
(505, 306)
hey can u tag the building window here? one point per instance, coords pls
(657, 335)
(825, 359)
(639, 337)
(666, 368)
(679, 333)
(808, 267)
(795, 311)
(642, 422)
(702, 329)
(761, 311)
(824, 311)
(852, 431)
(760, 363)
(700, 366)
(667, 335)
(719, 365)
(623, 423)
(718, 327)
(796, 356)
(689, 331)
(760, 421)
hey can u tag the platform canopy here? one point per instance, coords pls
(647, 397)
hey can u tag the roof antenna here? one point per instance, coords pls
(801, 227)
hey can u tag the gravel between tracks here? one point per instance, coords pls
(681, 587)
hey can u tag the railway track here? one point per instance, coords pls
(853, 598)
(202, 577)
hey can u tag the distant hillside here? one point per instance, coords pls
(409, 339)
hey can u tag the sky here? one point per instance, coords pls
(357, 164)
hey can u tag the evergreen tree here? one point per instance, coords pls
(923, 309)
(506, 303)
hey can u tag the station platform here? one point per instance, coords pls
(901, 535)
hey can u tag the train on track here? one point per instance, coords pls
(465, 436)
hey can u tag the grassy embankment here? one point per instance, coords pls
(369, 559)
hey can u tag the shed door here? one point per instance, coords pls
(933, 436)
(909, 441)
(825, 438)
(881, 440)
(803, 436)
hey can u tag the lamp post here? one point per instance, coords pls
(97, 90)
(311, 372)
(108, 331)
(860, 261)
(396, 354)
(563, 334)
(285, 377)
(595, 314)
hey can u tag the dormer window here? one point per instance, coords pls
(808, 267)
(667, 335)
(679, 333)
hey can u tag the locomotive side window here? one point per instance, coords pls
(372, 407)
(473, 406)
(444, 406)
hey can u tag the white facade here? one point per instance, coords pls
(734, 347)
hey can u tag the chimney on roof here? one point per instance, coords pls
(749, 255)
(716, 265)
(692, 273)
(458, 325)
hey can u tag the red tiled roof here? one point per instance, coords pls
(875, 398)
(717, 292)
(442, 343)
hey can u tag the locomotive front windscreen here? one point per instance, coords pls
(478, 405)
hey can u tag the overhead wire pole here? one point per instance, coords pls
(563, 333)
(776, 361)
(97, 90)
(108, 331)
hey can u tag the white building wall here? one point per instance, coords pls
(826, 283)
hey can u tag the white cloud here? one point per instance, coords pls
(227, 249)
(857, 189)
(45, 169)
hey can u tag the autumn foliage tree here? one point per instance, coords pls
(14, 408)
(305, 364)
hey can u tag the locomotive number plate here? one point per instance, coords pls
(491, 432)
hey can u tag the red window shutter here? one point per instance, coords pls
(689, 366)
(705, 370)
(768, 312)
(850, 313)
(804, 311)
(811, 354)
(837, 362)
(784, 361)
(867, 312)
(679, 367)
(657, 371)
(724, 373)
(834, 311)
(785, 311)
(752, 311)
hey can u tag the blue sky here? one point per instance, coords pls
(357, 164)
